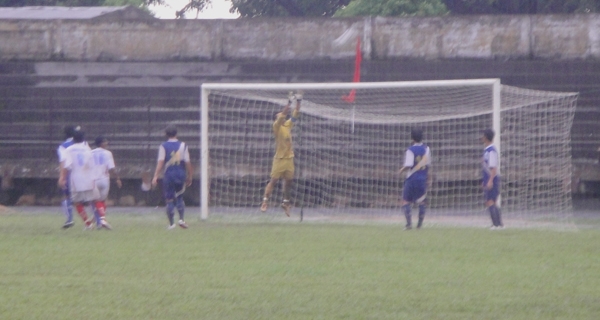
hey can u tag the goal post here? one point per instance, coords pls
(497, 124)
(347, 153)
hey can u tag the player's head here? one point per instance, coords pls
(171, 132)
(488, 135)
(101, 142)
(70, 131)
(78, 136)
(416, 135)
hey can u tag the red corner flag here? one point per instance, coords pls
(352, 94)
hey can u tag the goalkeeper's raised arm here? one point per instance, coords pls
(298, 97)
(280, 119)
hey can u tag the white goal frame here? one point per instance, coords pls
(206, 88)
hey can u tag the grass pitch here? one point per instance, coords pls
(219, 270)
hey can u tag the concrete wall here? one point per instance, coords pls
(449, 37)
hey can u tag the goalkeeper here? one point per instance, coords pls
(283, 162)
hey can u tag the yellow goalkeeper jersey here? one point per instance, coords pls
(282, 129)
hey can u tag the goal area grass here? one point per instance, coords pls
(291, 270)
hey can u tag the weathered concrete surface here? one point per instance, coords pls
(482, 37)
(450, 37)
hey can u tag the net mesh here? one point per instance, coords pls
(347, 154)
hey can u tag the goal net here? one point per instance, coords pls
(351, 138)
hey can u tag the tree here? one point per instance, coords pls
(393, 8)
(342, 8)
(135, 3)
(77, 3)
(522, 6)
(70, 3)
(192, 5)
(287, 8)
(345, 8)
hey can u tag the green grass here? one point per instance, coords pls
(216, 270)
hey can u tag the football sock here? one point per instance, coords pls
(170, 212)
(421, 215)
(100, 210)
(492, 211)
(180, 207)
(406, 209)
(96, 214)
(67, 209)
(82, 214)
(498, 216)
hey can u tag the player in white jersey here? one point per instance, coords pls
(104, 167)
(78, 172)
(491, 178)
(66, 202)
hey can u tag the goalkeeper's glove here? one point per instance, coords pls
(298, 96)
(291, 97)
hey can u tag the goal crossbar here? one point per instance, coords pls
(349, 85)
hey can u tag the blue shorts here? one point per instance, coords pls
(494, 192)
(414, 190)
(173, 182)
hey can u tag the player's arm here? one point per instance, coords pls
(160, 164)
(296, 112)
(65, 165)
(281, 118)
(62, 179)
(61, 157)
(493, 165)
(409, 161)
(425, 160)
(429, 169)
(112, 171)
(189, 170)
(490, 182)
(159, 167)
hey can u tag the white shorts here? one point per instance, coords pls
(103, 186)
(85, 196)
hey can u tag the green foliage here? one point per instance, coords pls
(77, 3)
(285, 8)
(392, 8)
(68, 3)
(117, 3)
(219, 270)
(522, 6)
(346, 8)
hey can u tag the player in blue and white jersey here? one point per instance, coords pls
(491, 178)
(77, 172)
(418, 162)
(174, 157)
(66, 204)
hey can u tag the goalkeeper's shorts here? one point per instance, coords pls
(283, 168)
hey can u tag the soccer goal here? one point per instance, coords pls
(350, 141)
